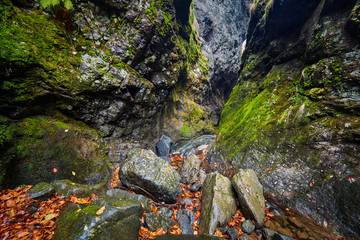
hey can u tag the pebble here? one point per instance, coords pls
(248, 226)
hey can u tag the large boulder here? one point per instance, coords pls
(250, 194)
(190, 169)
(143, 170)
(218, 203)
(119, 220)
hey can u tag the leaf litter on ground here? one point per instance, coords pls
(22, 217)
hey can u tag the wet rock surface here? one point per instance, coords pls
(250, 195)
(163, 146)
(120, 218)
(218, 203)
(145, 171)
(217, 23)
(155, 220)
(186, 220)
(41, 190)
(190, 169)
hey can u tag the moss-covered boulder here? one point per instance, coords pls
(145, 171)
(41, 191)
(67, 188)
(119, 220)
(218, 203)
(250, 194)
(40, 148)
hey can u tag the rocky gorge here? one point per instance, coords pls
(250, 99)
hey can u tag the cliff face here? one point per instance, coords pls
(293, 116)
(222, 29)
(121, 72)
(131, 70)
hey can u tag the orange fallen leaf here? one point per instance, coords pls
(100, 211)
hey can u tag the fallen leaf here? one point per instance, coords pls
(100, 211)
(54, 170)
(73, 173)
(168, 169)
(51, 216)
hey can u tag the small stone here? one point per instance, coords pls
(196, 186)
(166, 212)
(232, 233)
(248, 226)
(186, 219)
(186, 201)
(268, 233)
(155, 220)
(163, 146)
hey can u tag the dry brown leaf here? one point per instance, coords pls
(101, 210)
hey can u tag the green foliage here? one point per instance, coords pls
(52, 3)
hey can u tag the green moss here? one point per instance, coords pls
(39, 144)
(28, 56)
(250, 115)
(186, 130)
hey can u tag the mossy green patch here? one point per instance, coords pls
(31, 60)
(41, 143)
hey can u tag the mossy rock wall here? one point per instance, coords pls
(42, 148)
(293, 115)
(120, 69)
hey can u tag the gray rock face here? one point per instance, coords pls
(222, 30)
(145, 170)
(190, 169)
(250, 194)
(163, 146)
(247, 226)
(119, 220)
(185, 220)
(218, 203)
(155, 220)
(121, 194)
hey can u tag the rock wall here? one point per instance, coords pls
(222, 29)
(129, 70)
(293, 115)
